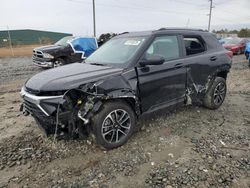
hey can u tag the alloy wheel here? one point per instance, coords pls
(219, 93)
(116, 126)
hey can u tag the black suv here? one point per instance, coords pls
(130, 75)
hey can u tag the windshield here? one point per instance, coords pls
(231, 41)
(63, 41)
(117, 51)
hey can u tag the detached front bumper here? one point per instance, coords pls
(51, 113)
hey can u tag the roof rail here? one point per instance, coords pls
(180, 28)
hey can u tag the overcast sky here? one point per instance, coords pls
(75, 16)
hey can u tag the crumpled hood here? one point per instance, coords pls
(69, 77)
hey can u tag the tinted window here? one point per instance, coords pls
(165, 46)
(194, 45)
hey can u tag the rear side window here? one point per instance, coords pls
(165, 46)
(194, 45)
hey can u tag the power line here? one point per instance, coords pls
(188, 3)
(232, 12)
(235, 15)
(141, 8)
(165, 11)
(225, 20)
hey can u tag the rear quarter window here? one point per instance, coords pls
(194, 45)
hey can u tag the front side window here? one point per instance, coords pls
(164, 46)
(194, 45)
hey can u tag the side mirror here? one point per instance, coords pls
(152, 60)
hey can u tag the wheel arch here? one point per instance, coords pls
(61, 57)
(130, 100)
(222, 73)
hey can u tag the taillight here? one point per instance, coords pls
(230, 54)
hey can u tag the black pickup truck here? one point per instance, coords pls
(68, 50)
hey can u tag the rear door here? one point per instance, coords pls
(198, 61)
(163, 85)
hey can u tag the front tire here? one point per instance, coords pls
(114, 124)
(216, 94)
(59, 62)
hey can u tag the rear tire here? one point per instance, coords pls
(249, 62)
(216, 94)
(114, 124)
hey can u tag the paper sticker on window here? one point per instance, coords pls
(132, 42)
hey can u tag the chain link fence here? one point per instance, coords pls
(21, 42)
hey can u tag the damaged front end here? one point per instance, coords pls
(68, 115)
(64, 115)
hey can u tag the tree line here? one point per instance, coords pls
(244, 32)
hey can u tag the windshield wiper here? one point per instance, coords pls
(98, 64)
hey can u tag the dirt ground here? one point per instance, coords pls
(18, 51)
(190, 147)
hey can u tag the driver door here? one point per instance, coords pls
(163, 85)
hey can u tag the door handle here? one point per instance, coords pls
(178, 65)
(213, 58)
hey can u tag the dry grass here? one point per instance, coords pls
(24, 50)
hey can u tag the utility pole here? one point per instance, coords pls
(10, 42)
(188, 22)
(210, 15)
(94, 18)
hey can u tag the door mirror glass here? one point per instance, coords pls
(152, 60)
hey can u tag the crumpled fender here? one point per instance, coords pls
(95, 94)
(123, 90)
